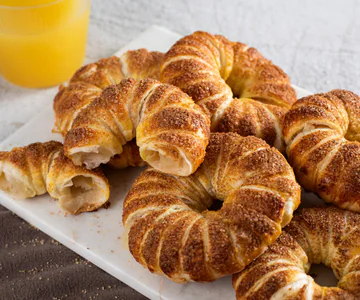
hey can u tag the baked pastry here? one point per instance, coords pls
(88, 83)
(129, 157)
(322, 133)
(328, 236)
(69, 101)
(42, 167)
(171, 130)
(171, 230)
(214, 70)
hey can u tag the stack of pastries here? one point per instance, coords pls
(215, 122)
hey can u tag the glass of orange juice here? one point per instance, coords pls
(42, 42)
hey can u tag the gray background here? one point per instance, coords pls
(316, 42)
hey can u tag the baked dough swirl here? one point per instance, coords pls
(88, 83)
(42, 167)
(214, 70)
(171, 231)
(171, 131)
(90, 80)
(329, 236)
(322, 133)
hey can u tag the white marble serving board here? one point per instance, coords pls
(99, 236)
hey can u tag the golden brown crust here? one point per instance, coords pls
(141, 63)
(69, 101)
(164, 119)
(214, 70)
(171, 230)
(102, 73)
(322, 133)
(89, 81)
(316, 235)
(42, 167)
(85, 85)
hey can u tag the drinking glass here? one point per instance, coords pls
(42, 42)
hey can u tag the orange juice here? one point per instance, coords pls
(42, 42)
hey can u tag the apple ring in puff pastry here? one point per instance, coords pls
(171, 231)
(172, 132)
(322, 133)
(322, 235)
(213, 70)
(42, 167)
(88, 83)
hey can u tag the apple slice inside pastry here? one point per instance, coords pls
(14, 183)
(172, 161)
(92, 156)
(82, 193)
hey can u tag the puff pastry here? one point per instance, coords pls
(322, 133)
(330, 236)
(42, 167)
(129, 157)
(88, 83)
(171, 230)
(171, 131)
(241, 90)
